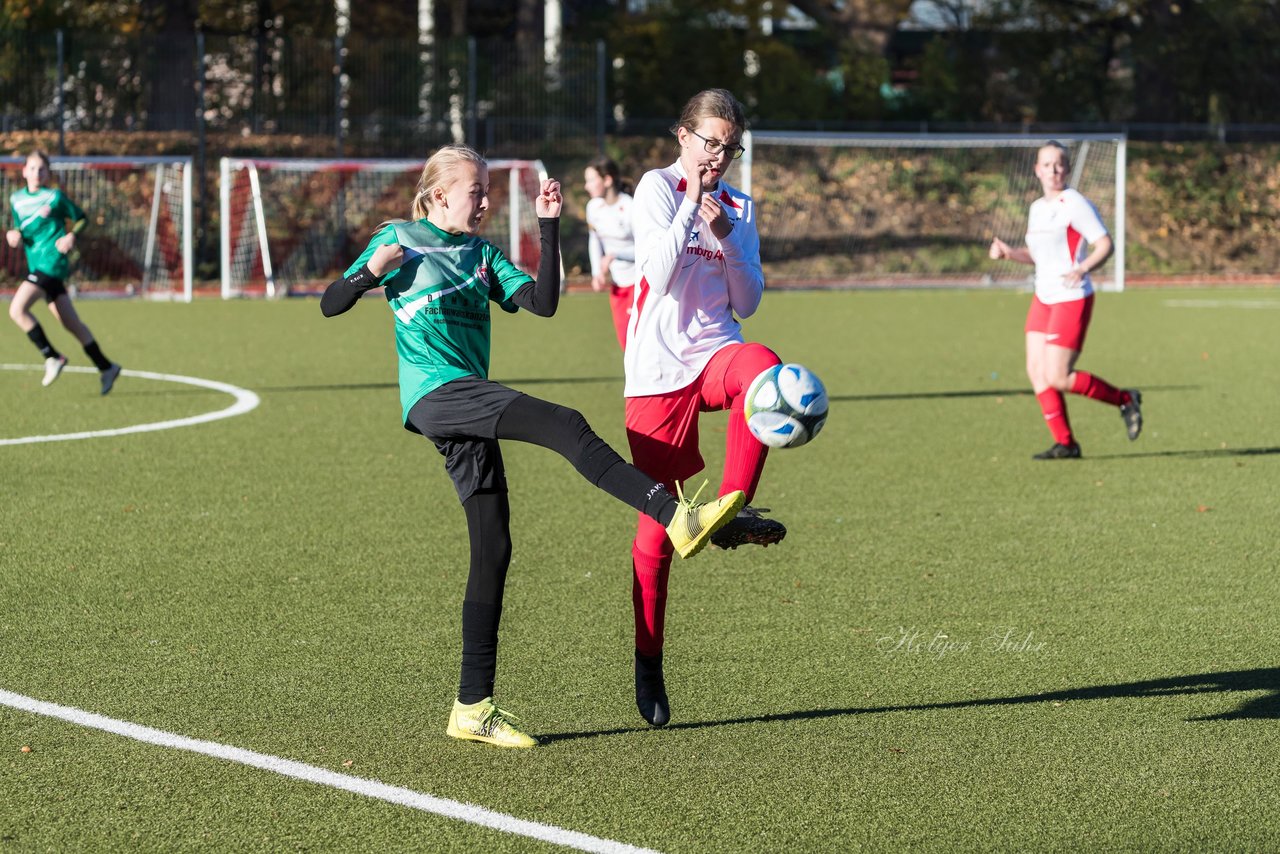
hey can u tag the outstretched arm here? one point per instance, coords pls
(542, 296)
(343, 293)
(1001, 251)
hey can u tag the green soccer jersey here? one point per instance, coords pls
(41, 217)
(440, 297)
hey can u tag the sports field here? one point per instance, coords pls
(956, 648)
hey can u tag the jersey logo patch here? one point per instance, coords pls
(702, 252)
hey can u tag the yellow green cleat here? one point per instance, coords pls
(484, 721)
(692, 526)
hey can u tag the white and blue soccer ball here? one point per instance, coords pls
(786, 406)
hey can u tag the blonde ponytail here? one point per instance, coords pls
(419, 209)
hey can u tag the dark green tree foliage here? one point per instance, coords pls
(676, 49)
(46, 15)
(172, 59)
(670, 53)
(1206, 60)
(1024, 60)
(1163, 61)
(1106, 61)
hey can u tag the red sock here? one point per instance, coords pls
(649, 599)
(1097, 388)
(1055, 415)
(744, 456)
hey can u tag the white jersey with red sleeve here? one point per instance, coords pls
(689, 284)
(1058, 236)
(611, 234)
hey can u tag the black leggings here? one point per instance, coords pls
(565, 431)
(488, 512)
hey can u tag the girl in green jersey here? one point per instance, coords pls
(40, 215)
(439, 278)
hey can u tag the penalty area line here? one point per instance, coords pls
(375, 789)
(245, 401)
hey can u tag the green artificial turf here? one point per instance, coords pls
(955, 648)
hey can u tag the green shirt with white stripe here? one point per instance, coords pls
(42, 218)
(440, 297)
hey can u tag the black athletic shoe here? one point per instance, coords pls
(651, 690)
(1131, 412)
(109, 377)
(1060, 452)
(749, 527)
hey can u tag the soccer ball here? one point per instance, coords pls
(786, 406)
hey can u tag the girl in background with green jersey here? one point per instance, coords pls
(439, 278)
(40, 215)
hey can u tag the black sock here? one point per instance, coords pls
(626, 481)
(479, 651)
(100, 361)
(38, 338)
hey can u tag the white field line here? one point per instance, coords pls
(322, 776)
(1222, 303)
(245, 401)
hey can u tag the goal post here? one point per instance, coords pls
(138, 240)
(903, 210)
(293, 225)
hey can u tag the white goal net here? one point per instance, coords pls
(854, 209)
(138, 237)
(293, 226)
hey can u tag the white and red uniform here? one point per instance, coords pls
(611, 234)
(685, 355)
(1058, 236)
(690, 284)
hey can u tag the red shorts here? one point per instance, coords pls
(1064, 324)
(662, 429)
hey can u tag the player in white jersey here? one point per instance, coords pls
(698, 262)
(612, 245)
(1066, 241)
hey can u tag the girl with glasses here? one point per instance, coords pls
(698, 268)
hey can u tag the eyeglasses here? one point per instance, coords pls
(714, 146)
